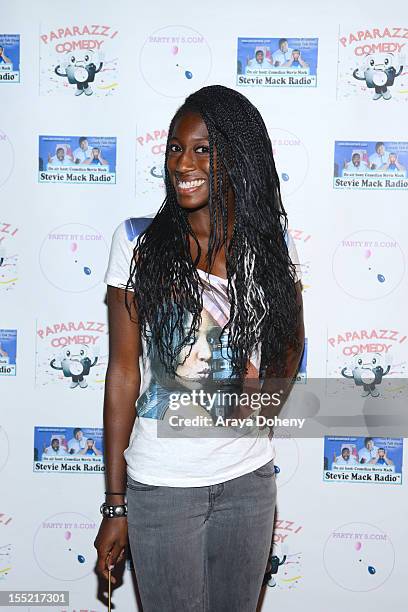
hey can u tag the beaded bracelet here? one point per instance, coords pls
(113, 511)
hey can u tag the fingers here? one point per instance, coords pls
(116, 555)
(103, 562)
(107, 560)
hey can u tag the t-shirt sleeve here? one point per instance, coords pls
(120, 256)
(293, 254)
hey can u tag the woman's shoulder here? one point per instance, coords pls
(123, 242)
(129, 229)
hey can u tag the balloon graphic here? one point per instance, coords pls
(367, 253)
(189, 75)
(285, 177)
(371, 569)
(67, 535)
(357, 545)
(87, 271)
(381, 278)
(74, 246)
(174, 50)
(80, 558)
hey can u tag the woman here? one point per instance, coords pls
(200, 509)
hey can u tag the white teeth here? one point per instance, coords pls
(190, 184)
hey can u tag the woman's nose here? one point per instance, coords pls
(185, 161)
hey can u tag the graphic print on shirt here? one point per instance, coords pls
(202, 385)
(203, 367)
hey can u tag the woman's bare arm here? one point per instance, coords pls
(273, 384)
(122, 386)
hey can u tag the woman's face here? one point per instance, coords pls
(197, 367)
(188, 161)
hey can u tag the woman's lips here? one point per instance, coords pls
(203, 373)
(185, 187)
(196, 375)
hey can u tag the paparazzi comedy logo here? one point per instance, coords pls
(71, 353)
(8, 256)
(79, 60)
(150, 156)
(372, 63)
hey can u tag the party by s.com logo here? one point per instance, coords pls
(7, 158)
(359, 556)
(291, 158)
(368, 264)
(286, 460)
(73, 257)
(67, 536)
(175, 60)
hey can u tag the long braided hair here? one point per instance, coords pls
(261, 287)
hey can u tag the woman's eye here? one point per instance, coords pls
(174, 148)
(203, 149)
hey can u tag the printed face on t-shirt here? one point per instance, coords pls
(197, 366)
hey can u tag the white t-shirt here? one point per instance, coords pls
(253, 64)
(50, 452)
(178, 461)
(76, 445)
(366, 454)
(281, 57)
(378, 160)
(82, 155)
(341, 461)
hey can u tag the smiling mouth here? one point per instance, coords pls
(189, 186)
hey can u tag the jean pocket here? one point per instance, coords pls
(266, 471)
(135, 485)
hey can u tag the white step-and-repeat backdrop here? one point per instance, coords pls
(86, 95)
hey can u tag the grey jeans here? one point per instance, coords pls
(202, 549)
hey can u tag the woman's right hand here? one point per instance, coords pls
(110, 543)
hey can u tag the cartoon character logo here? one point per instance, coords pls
(80, 70)
(274, 563)
(379, 73)
(367, 372)
(284, 569)
(75, 366)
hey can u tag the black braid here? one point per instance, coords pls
(163, 274)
